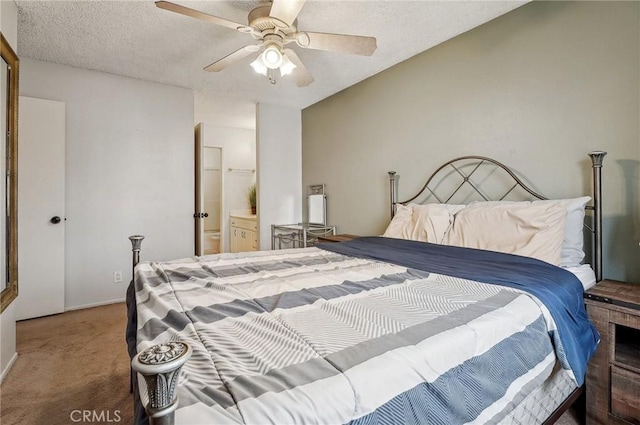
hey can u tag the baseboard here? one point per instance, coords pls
(98, 304)
(8, 368)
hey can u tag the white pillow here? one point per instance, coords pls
(572, 252)
(401, 225)
(520, 228)
(431, 222)
(425, 223)
(454, 208)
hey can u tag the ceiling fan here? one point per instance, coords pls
(273, 27)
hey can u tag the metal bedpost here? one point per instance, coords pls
(136, 243)
(273, 237)
(392, 191)
(160, 366)
(596, 160)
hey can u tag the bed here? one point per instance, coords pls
(429, 323)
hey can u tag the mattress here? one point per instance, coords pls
(278, 336)
(543, 400)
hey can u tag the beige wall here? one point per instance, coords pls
(537, 89)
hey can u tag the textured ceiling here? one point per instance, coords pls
(137, 39)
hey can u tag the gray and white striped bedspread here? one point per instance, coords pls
(309, 336)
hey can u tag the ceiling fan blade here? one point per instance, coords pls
(354, 44)
(301, 75)
(172, 7)
(241, 53)
(286, 10)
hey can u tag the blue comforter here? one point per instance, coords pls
(560, 290)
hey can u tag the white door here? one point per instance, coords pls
(41, 222)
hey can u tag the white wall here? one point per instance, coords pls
(129, 170)
(537, 89)
(214, 110)
(238, 151)
(279, 159)
(9, 27)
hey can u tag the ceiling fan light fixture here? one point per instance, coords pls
(259, 66)
(272, 56)
(287, 66)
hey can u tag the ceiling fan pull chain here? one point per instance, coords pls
(271, 74)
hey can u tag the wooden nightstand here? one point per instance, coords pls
(336, 238)
(613, 375)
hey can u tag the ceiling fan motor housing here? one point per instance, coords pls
(260, 20)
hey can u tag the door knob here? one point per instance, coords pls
(55, 220)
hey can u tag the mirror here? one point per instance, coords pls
(9, 170)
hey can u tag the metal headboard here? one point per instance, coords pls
(466, 167)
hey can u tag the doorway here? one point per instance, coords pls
(208, 197)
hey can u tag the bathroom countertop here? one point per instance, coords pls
(243, 214)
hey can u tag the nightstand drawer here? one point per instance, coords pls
(625, 395)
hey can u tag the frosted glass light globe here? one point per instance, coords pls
(272, 58)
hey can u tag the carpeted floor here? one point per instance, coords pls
(76, 364)
(69, 366)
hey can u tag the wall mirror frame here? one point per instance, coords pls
(10, 70)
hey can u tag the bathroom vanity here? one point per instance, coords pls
(243, 232)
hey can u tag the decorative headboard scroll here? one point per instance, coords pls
(477, 178)
(464, 168)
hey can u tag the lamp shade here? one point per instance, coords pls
(259, 66)
(287, 66)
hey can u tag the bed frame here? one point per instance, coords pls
(160, 364)
(466, 166)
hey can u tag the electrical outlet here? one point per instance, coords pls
(117, 277)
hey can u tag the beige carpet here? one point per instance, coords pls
(69, 365)
(75, 364)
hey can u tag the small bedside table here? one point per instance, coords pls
(336, 238)
(613, 374)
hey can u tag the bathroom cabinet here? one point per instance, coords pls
(243, 232)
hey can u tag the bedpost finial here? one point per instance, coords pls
(136, 242)
(597, 157)
(160, 366)
(392, 175)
